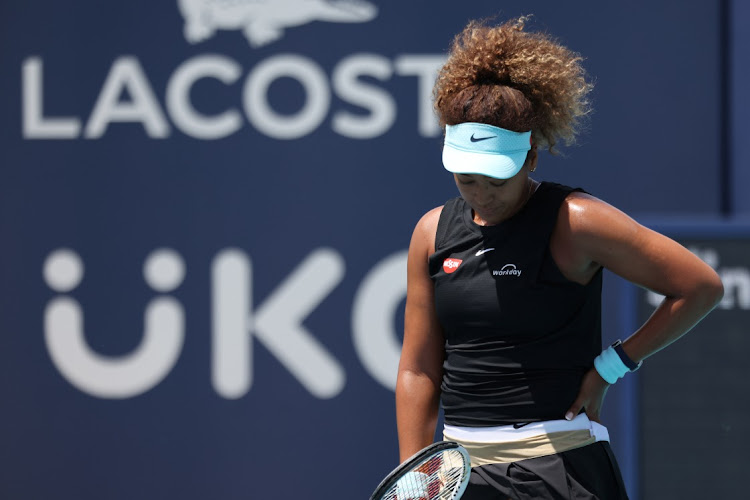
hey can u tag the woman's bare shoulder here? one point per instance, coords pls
(585, 216)
(425, 230)
(430, 219)
(585, 223)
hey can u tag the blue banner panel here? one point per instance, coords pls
(739, 109)
(693, 395)
(205, 207)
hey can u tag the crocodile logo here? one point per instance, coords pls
(264, 21)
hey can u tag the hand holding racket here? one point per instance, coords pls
(438, 472)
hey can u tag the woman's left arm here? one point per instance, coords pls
(596, 234)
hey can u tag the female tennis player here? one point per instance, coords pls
(503, 310)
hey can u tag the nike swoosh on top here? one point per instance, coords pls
(484, 251)
(477, 139)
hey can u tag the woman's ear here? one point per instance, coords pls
(531, 158)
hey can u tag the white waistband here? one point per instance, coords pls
(508, 433)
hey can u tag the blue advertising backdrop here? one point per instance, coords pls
(204, 212)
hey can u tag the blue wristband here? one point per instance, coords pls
(612, 365)
(632, 365)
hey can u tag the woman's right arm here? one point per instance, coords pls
(421, 364)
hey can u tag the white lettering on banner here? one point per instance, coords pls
(736, 281)
(127, 76)
(425, 68)
(184, 115)
(114, 377)
(277, 324)
(375, 307)
(259, 110)
(378, 102)
(35, 125)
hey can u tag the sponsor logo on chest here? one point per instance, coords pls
(507, 270)
(450, 265)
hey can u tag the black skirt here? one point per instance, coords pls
(589, 473)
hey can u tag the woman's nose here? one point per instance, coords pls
(485, 193)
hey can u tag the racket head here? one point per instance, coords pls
(445, 466)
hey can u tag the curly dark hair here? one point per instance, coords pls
(513, 79)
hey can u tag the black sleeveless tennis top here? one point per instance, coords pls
(519, 336)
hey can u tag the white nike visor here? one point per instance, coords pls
(478, 148)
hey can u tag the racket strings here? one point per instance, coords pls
(438, 477)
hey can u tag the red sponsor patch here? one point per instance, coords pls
(450, 265)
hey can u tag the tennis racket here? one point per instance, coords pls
(438, 472)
